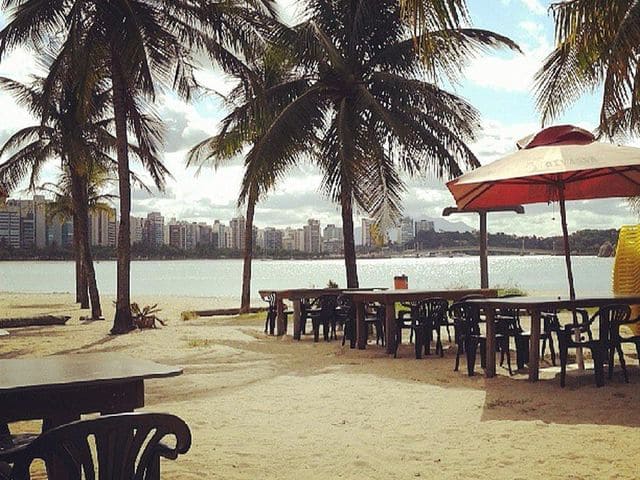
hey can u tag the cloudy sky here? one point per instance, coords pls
(499, 85)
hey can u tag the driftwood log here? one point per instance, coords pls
(33, 321)
(219, 312)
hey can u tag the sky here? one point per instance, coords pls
(498, 84)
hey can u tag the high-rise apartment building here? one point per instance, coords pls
(312, 237)
(154, 229)
(31, 218)
(237, 226)
(136, 229)
(407, 230)
(102, 227)
(424, 226)
(367, 224)
(272, 239)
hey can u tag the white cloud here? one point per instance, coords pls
(535, 7)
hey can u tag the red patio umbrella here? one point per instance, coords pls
(556, 164)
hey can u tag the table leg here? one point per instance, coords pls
(361, 327)
(534, 346)
(390, 326)
(279, 317)
(297, 306)
(490, 352)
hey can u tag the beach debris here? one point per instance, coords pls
(145, 317)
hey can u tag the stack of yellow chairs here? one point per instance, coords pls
(626, 268)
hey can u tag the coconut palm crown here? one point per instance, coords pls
(371, 108)
(597, 45)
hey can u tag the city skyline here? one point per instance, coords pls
(25, 223)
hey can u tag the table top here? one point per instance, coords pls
(556, 302)
(405, 295)
(296, 293)
(77, 370)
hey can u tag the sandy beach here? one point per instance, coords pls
(261, 407)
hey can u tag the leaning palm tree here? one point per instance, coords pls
(63, 207)
(372, 108)
(80, 139)
(79, 144)
(142, 46)
(597, 44)
(255, 101)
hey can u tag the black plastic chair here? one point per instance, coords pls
(582, 329)
(345, 316)
(435, 317)
(114, 447)
(618, 315)
(469, 336)
(375, 317)
(409, 320)
(324, 316)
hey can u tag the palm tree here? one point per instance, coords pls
(257, 100)
(371, 108)
(142, 46)
(80, 140)
(597, 44)
(63, 207)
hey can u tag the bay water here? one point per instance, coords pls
(544, 275)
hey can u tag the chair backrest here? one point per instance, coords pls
(271, 300)
(112, 447)
(466, 317)
(612, 316)
(436, 308)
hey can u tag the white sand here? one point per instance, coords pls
(269, 408)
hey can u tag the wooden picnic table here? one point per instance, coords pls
(297, 295)
(536, 305)
(59, 388)
(389, 298)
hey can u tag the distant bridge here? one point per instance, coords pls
(492, 249)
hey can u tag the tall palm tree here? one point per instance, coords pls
(63, 207)
(143, 45)
(79, 139)
(255, 101)
(597, 44)
(372, 108)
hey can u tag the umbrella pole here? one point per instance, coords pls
(567, 258)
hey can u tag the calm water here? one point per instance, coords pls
(222, 278)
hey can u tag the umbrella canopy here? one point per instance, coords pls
(556, 164)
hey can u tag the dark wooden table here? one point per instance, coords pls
(297, 295)
(389, 298)
(60, 388)
(535, 305)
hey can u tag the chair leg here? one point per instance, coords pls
(419, 342)
(439, 342)
(552, 350)
(505, 346)
(470, 349)
(483, 353)
(623, 364)
(448, 333)
(611, 353)
(598, 365)
(316, 329)
(459, 350)
(564, 352)
(326, 330)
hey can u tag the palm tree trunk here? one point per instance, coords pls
(245, 300)
(81, 275)
(90, 273)
(346, 202)
(122, 323)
